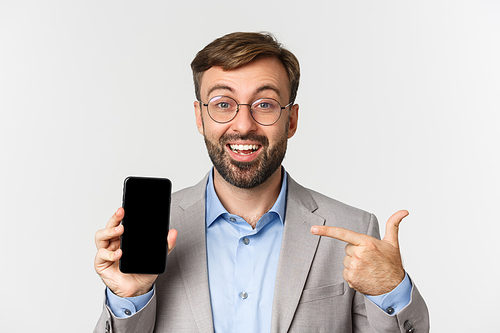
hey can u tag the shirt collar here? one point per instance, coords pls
(214, 207)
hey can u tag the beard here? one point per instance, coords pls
(247, 174)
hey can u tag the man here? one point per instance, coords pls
(255, 251)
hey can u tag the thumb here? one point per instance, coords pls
(392, 227)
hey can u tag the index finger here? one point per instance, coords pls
(342, 234)
(117, 217)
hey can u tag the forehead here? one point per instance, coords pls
(248, 79)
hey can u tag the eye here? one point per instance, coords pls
(222, 105)
(264, 105)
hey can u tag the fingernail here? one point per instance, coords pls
(314, 230)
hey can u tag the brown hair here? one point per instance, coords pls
(240, 48)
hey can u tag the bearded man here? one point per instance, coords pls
(254, 250)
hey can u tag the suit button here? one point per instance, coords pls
(106, 330)
(390, 310)
(409, 327)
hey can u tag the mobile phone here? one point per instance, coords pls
(146, 202)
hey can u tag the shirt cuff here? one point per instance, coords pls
(126, 307)
(395, 300)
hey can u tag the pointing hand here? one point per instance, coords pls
(372, 266)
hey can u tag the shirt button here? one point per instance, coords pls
(127, 312)
(232, 219)
(244, 295)
(390, 310)
(246, 241)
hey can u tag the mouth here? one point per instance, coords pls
(243, 149)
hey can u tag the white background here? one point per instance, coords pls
(399, 108)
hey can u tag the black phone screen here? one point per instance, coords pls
(146, 202)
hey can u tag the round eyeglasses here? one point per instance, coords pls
(265, 111)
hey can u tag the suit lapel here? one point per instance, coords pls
(298, 248)
(192, 258)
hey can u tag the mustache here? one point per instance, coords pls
(263, 140)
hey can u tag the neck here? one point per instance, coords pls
(251, 203)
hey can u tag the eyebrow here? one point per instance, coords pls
(269, 87)
(259, 90)
(219, 87)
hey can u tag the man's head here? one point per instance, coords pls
(237, 49)
(246, 150)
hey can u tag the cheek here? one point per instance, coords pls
(278, 135)
(213, 132)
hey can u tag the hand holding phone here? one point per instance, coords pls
(109, 253)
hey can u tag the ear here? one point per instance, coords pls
(199, 120)
(294, 119)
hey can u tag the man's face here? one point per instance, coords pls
(244, 152)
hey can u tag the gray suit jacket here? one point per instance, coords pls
(310, 294)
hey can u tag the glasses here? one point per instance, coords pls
(265, 111)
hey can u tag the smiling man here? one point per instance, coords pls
(247, 142)
(254, 250)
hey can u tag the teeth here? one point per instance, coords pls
(243, 147)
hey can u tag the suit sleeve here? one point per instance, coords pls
(142, 321)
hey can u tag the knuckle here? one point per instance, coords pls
(98, 234)
(103, 254)
(358, 254)
(342, 233)
(102, 234)
(106, 234)
(348, 276)
(98, 238)
(354, 264)
(371, 245)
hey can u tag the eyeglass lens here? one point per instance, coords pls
(265, 111)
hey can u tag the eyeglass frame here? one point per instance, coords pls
(249, 106)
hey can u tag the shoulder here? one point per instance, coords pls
(327, 204)
(190, 195)
(334, 212)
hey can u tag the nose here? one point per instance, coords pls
(243, 123)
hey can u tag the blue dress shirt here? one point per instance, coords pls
(242, 265)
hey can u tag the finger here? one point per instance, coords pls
(104, 256)
(105, 236)
(116, 218)
(171, 239)
(349, 249)
(392, 227)
(342, 234)
(347, 261)
(345, 274)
